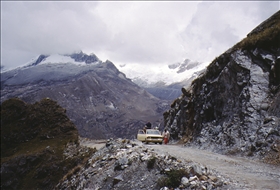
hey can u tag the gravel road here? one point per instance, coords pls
(248, 174)
(245, 173)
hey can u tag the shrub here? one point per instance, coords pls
(151, 163)
(265, 35)
(173, 178)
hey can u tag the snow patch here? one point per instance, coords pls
(51, 59)
(111, 106)
(57, 58)
(121, 75)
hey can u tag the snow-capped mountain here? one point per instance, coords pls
(164, 81)
(146, 76)
(50, 67)
(77, 58)
(99, 99)
(149, 76)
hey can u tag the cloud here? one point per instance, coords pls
(146, 31)
(127, 32)
(217, 26)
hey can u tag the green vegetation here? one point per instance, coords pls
(151, 162)
(28, 129)
(265, 35)
(33, 142)
(172, 179)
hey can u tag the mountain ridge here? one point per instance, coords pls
(99, 99)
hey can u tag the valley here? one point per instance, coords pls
(81, 116)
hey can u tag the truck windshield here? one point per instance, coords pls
(153, 132)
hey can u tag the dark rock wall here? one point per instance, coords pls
(234, 105)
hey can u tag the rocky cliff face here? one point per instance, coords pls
(233, 106)
(36, 140)
(98, 98)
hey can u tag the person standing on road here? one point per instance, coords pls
(166, 136)
(148, 125)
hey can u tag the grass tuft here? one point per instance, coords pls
(172, 178)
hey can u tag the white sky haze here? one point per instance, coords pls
(144, 32)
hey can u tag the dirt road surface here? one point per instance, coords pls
(246, 173)
(98, 144)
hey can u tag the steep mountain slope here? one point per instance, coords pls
(36, 141)
(234, 106)
(164, 81)
(98, 98)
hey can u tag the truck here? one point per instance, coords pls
(150, 135)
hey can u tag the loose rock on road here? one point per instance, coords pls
(248, 174)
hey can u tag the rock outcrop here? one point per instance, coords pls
(233, 107)
(39, 145)
(82, 57)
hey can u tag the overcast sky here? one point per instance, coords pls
(158, 32)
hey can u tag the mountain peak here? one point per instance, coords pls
(82, 57)
(76, 57)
